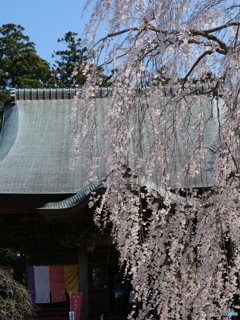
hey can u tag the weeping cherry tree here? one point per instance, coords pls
(166, 139)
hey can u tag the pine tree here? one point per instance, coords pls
(69, 66)
(20, 66)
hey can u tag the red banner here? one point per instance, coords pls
(76, 304)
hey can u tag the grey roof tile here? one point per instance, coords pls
(36, 145)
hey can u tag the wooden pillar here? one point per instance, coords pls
(83, 277)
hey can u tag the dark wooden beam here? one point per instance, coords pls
(83, 277)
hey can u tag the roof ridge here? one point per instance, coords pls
(103, 92)
(51, 93)
(43, 94)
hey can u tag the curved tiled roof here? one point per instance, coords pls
(36, 145)
(71, 202)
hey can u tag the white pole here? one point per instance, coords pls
(71, 315)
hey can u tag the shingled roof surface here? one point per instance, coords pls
(37, 144)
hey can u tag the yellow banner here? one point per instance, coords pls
(71, 278)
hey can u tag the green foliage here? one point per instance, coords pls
(73, 57)
(71, 62)
(20, 66)
(70, 65)
(14, 299)
(4, 95)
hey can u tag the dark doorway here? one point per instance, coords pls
(107, 293)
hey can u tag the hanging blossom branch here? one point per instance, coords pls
(175, 37)
(191, 32)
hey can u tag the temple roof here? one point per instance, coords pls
(37, 143)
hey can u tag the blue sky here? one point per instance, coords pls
(45, 21)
